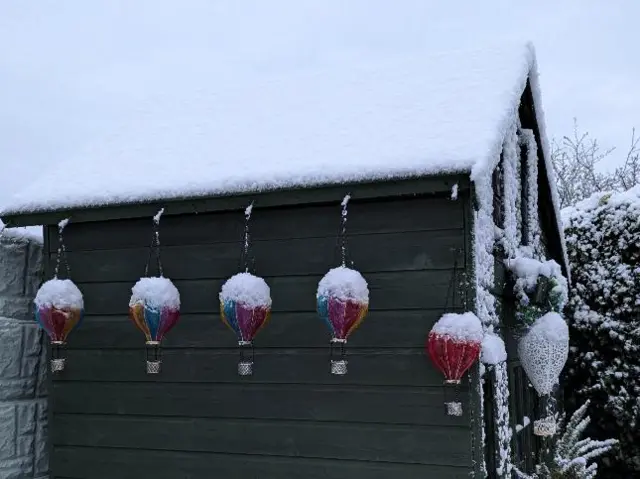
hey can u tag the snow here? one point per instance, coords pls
(158, 216)
(533, 220)
(156, 293)
(59, 293)
(602, 233)
(460, 327)
(246, 289)
(511, 236)
(247, 211)
(525, 422)
(345, 284)
(493, 350)
(62, 224)
(529, 269)
(503, 429)
(454, 192)
(552, 327)
(218, 129)
(585, 211)
(29, 233)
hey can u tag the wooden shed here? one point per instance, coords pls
(444, 158)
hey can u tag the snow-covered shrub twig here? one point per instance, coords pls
(571, 455)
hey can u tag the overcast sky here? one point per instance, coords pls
(56, 55)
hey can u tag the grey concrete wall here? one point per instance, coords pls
(23, 364)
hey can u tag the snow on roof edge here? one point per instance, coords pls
(56, 207)
(491, 160)
(546, 153)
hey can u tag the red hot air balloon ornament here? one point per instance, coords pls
(245, 305)
(454, 346)
(154, 306)
(59, 307)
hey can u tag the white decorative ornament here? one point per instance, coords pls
(454, 408)
(543, 353)
(545, 427)
(544, 350)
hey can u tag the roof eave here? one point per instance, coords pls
(428, 184)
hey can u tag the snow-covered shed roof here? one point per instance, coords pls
(236, 128)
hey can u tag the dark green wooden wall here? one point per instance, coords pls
(292, 419)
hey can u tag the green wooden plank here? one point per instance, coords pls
(329, 403)
(413, 251)
(388, 291)
(388, 329)
(448, 446)
(391, 215)
(394, 367)
(107, 463)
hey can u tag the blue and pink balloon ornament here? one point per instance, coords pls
(245, 308)
(59, 306)
(343, 303)
(59, 309)
(154, 308)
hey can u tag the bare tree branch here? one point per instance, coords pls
(575, 162)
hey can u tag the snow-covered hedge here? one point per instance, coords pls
(603, 238)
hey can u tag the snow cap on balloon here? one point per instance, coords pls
(154, 307)
(245, 305)
(60, 294)
(59, 308)
(342, 300)
(459, 327)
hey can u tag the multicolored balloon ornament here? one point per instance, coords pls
(59, 309)
(454, 345)
(155, 309)
(342, 302)
(245, 307)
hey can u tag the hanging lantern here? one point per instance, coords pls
(155, 309)
(59, 308)
(154, 306)
(543, 352)
(342, 302)
(245, 307)
(454, 345)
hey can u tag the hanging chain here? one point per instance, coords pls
(451, 290)
(244, 256)
(62, 250)
(155, 245)
(343, 229)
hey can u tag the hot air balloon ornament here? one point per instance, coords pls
(543, 352)
(342, 301)
(154, 306)
(245, 305)
(454, 346)
(59, 306)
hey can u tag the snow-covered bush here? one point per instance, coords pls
(570, 456)
(603, 239)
